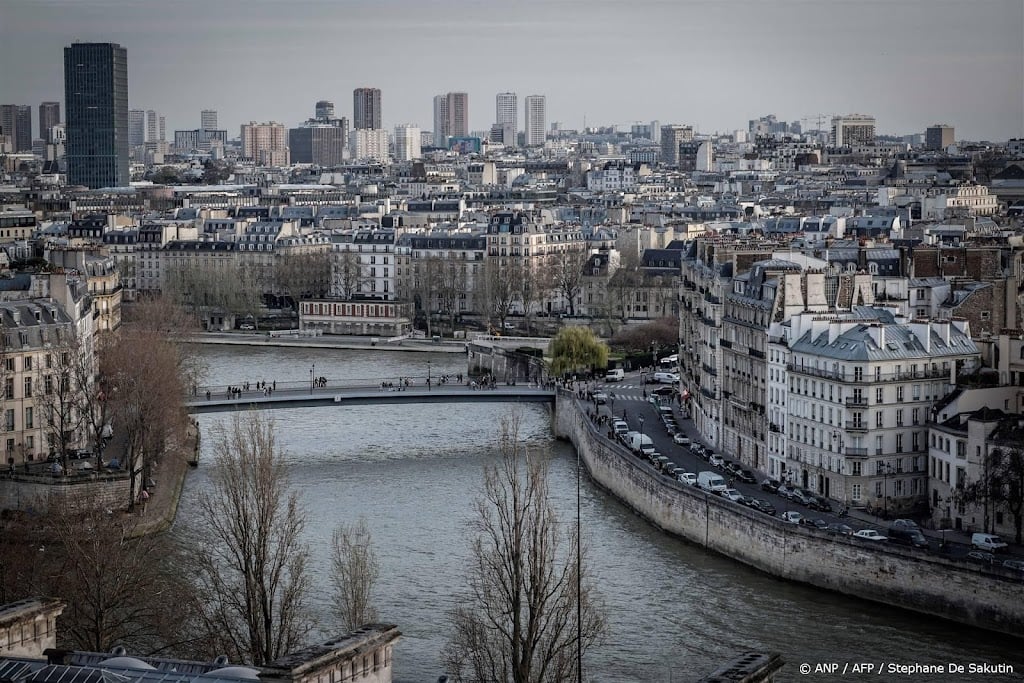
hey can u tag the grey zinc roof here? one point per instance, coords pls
(857, 344)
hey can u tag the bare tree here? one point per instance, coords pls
(121, 587)
(347, 275)
(567, 275)
(234, 288)
(518, 621)
(498, 289)
(146, 370)
(354, 572)
(452, 285)
(251, 562)
(303, 275)
(1001, 484)
(58, 394)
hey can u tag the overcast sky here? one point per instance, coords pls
(713, 64)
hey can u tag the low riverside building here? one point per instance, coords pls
(27, 654)
(360, 317)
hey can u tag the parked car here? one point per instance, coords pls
(732, 468)
(770, 485)
(600, 398)
(906, 535)
(746, 476)
(667, 467)
(802, 496)
(784, 491)
(791, 517)
(620, 426)
(763, 506)
(247, 326)
(820, 504)
(989, 542)
(841, 529)
(981, 557)
(681, 439)
(869, 535)
(716, 460)
(1015, 565)
(688, 478)
(733, 495)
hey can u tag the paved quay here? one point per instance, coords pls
(329, 342)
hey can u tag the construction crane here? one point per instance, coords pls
(819, 118)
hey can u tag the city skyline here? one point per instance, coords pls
(923, 62)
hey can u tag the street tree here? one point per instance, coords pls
(567, 275)
(576, 349)
(305, 275)
(145, 369)
(452, 285)
(251, 561)
(530, 608)
(498, 289)
(228, 287)
(354, 571)
(121, 587)
(1001, 484)
(58, 392)
(347, 275)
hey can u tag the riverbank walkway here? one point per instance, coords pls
(319, 392)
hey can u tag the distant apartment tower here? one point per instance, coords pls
(506, 111)
(156, 127)
(853, 129)
(536, 112)
(265, 143)
(458, 114)
(324, 110)
(366, 108)
(16, 121)
(440, 120)
(369, 144)
(136, 127)
(672, 136)
(49, 116)
(96, 97)
(939, 136)
(208, 119)
(407, 142)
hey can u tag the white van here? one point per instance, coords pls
(711, 481)
(640, 443)
(989, 542)
(666, 378)
(615, 375)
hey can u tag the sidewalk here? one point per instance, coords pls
(330, 342)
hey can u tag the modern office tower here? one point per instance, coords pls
(16, 121)
(504, 133)
(536, 106)
(265, 143)
(853, 129)
(49, 116)
(407, 142)
(96, 97)
(369, 143)
(939, 136)
(366, 108)
(507, 111)
(440, 121)
(208, 119)
(136, 127)
(318, 142)
(324, 110)
(458, 114)
(162, 129)
(671, 137)
(151, 126)
(656, 132)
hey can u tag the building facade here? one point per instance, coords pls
(366, 108)
(96, 97)
(506, 111)
(407, 142)
(321, 144)
(440, 121)
(16, 121)
(49, 116)
(671, 137)
(265, 143)
(457, 114)
(536, 120)
(939, 137)
(852, 130)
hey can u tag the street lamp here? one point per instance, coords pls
(428, 375)
(312, 371)
(641, 418)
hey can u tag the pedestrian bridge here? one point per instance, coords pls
(307, 395)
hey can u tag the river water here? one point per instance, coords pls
(675, 612)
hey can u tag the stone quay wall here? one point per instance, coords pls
(38, 493)
(902, 577)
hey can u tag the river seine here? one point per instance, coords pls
(675, 612)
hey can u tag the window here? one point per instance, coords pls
(899, 444)
(9, 419)
(878, 444)
(856, 492)
(29, 417)
(9, 388)
(28, 363)
(899, 417)
(914, 416)
(856, 470)
(28, 387)
(858, 374)
(899, 394)
(9, 364)
(878, 395)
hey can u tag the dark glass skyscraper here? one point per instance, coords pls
(366, 108)
(96, 97)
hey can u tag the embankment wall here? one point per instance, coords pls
(902, 577)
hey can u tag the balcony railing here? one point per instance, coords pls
(755, 353)
(857, 401)
(856, 452)
(856, 426)
(726, 344)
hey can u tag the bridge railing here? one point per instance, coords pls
(326, 384)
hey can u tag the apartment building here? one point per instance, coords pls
(860, 389)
